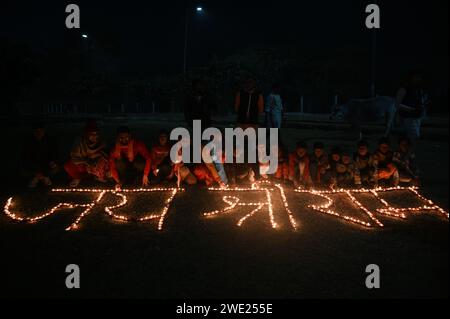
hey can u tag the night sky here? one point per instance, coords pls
(151, 33)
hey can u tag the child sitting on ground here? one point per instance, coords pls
(299, 172)
(319, 165)
(239, 172)
(404, 159)
(344, 170)
(387, 173)
(333, 160)
(365, 169)
(88, 157)
(282, 174)
(40, 157)
(161, 163)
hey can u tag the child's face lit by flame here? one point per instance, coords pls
(363, 150)
(346, 159)
(124, 139)
(404, 146)
(39, 133)
(384, 148)
(336, 157)
(163, 140)
(93, 137)
(301, 152)
(318, 152)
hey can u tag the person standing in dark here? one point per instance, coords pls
(40, 157)
(199, 104)
(411, 104)
(249, 104)
(274, 108)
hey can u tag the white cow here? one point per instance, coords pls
(358, 112)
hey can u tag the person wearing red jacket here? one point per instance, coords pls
(249, 104)
(299, 172)
(282, 174)
(128, 158)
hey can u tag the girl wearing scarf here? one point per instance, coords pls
(88, 157)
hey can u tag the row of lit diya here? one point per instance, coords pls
(234, 199)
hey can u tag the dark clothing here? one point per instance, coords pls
(37, 155)
(161, 162)
(239, 172)
(159, 155)
(299, 171)
(406, 165)
(383, 161)
(198, 107)
(344, 174)
(249, 106)
(414, 98)
(365, 170)
(129, 153)
(318, 167)
(339, 174)
(164, 171)
(130, 172)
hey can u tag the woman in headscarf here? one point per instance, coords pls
(88, 157)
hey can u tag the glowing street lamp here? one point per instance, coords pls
(85, 36)
(199, 10)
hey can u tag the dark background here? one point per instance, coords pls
(134, 56)
(134, 53)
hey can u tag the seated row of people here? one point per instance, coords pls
(130, 162)
(342, 169)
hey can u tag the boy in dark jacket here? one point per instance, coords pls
(344, 173)
(319, 165)
(39, 157)
(162, 168)
(249, 104)
(299, 161)
(405, 160)
(365, 168)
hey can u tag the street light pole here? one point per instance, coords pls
(188, 8)
(373, 89)
(374, 63)
(186, 33)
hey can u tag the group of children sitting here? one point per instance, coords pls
(342, 169)
(130, 162)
